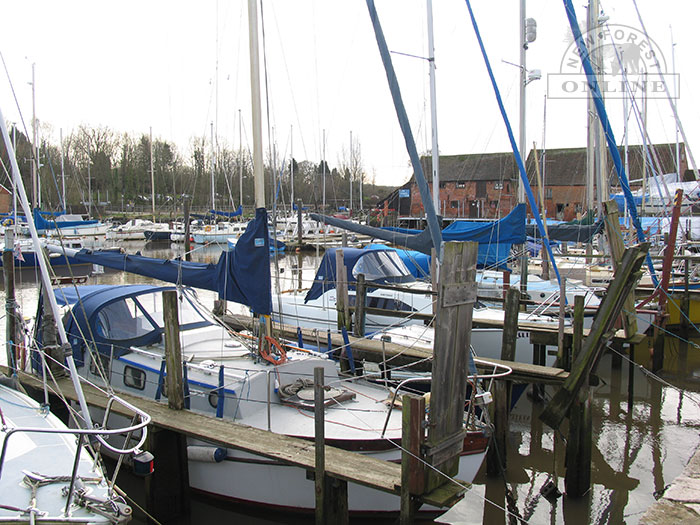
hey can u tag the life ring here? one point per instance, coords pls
(270, 357)
(207, 228)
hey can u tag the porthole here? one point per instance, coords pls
(134, 377)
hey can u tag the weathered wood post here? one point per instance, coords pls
(173, 351)
(331, 493)
(562, 319)
(188, 255)
(319, 444)
(360, 300)
(341, 291)
(496, 458)
(300, 229)
(412, 469)
(167, 489)
(626, 277)
(575, 348)
(456, 297)
(8, 267)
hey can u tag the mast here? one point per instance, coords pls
(256, 104)
(352, 168)
(523, 81)
(592, 119)
(240, 159)
(63, 172)
(291, 163)
(153, 186)
(433, 109)
(35, 138)
(213, 191)
(323, 155)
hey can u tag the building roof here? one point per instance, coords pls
(562, 167)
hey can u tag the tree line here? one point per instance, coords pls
(106, 171)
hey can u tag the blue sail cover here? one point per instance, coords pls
(241, 275)
(43, 224)
(239, 211)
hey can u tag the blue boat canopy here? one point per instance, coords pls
(114, 318)
(378, 266)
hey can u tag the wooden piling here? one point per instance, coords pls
(331, 493)
(320, 444)
(579, 445)
(626, 278)
(300, 230)
(8, 266)
(167, 489)
(188, 255)
(341, 291)
(562, 319)
(412, 469)
(456, 297)
(173, 351)
(360, 300)
(496, 458)
(577, 339)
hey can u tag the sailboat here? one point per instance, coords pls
(45, 475)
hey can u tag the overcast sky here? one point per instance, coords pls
(179, 66)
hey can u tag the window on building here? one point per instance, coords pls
(443, 185)
(548, 193)
(454, 204)
(497, 185)
(460, 184)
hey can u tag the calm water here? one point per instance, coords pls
(635, 455)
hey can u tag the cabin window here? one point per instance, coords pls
(122, 320)
(134, 377)
(98, 361)
(214, 398)
(460, 184)
(380, 265)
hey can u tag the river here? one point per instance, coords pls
(636, 453)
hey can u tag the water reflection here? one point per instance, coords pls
(637, 450)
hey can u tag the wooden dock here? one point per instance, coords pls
(340, 464)
(417, 358)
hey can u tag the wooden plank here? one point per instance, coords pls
(341, 464)
(617, 250)
(400, 355)
(626, 277)
(453, 326)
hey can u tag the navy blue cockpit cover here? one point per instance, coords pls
(241, 275)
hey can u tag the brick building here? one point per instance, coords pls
(485, 185)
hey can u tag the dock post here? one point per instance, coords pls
(562, 318)
(300, 229)
(360, 300)
(167, 489)
(577, 479)
(453, 327)
(173, 352)
(575, 348)
(685, 303)
(8, 267)
(188, 255)
(412, 470)
(331, 493)
(342, 303)
(496, 458)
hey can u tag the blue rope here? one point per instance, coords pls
(605, 123)
(516, 153)
(433, 226)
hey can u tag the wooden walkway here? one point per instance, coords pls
(417, 358)
(341, 464)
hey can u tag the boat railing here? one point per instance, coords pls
(140, 422)
(505, 370)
